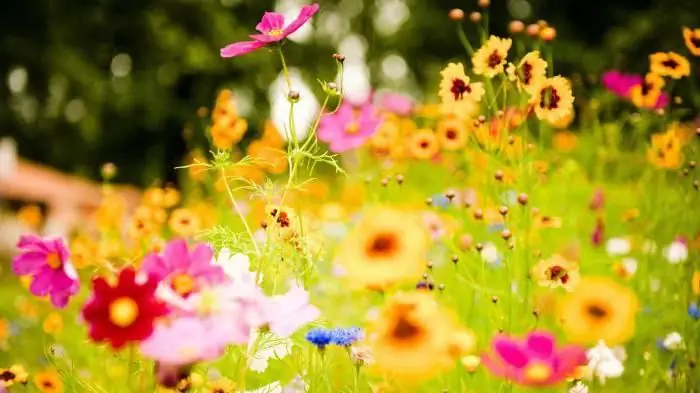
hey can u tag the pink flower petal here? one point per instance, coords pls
(241, 48)
(270, 21)
(177, 255)
(510, 351)
(267, 38)
(540, 344)
(42, 282)
(201, 256)
(32, 241)
(28, 263)
(570, 357)
(494, 366)
(304, 15)
(156, 267)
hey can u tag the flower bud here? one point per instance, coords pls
(338, 57)
(484, 3)
(475, 17)
(498, 175)
(532, 30)
(293, 96)
(109, 170)
(548, 34)
(516, 27)
(456, 14)
(522, 199)
(399, 179)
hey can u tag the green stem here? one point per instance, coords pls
(285, 70)
(465, 42)
(239, 212)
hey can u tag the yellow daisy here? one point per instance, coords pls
(222, 385)
(646, 94)
(553, 99)
(666, 150)
(423, 144)
(49, 382)
(184, 222)
(529, 73)
(556, 272)
(15, 374)
(452, 133)
(457, 93)
(490, 59)
(669, 64)
(692, 40)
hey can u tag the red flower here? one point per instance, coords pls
(123, 312)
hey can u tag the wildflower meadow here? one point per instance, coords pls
(515, 229)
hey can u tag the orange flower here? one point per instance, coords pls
(268, 157)
(225, 106)
(30, 215)
(665, 151)
(271, 136)
(692, 40)
(423, 144)
(646, 94)
(669, 64)
(565, 141)
(228, 131)
(452, 133)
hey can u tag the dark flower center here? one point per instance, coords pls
(47, 384)
(695, 41)
(404, 329)
(646, 88)
(558, 273)
(549, 98)
(424, 144)
(282, 219)
(383, 244)
(494, 59)
(596, 311)
(7, 375)
(670, 63)
(459, 87)
(451, 134)
(526, 73)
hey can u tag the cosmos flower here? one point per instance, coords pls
(604, 362)
(459, 96)
(553, 99)
(284, 314)
(272, 29)
(397, 104)
(529, 72)
(124, 311)
(620, 83)
(46, 261)
(534, 360)
(349, 127)
(669, 64)
(490, 59)
(692, 40)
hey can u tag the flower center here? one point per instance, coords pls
(558, 273)
(7, 375)
(695, 41)
(54, 261)
(275, 32)
(459, 87)
(383, 244)
(451, 134)
(596, 311)
(549, 98)
(537, 372)
(647, 88)
(670, 63)
(404, 330)
(183, 284)
(123, 312)
(526, 73)
(494, 59)
(352, 128)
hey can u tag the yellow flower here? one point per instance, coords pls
(228, 131)
(222, 385)
(270, 158)
(490, 59)
(225, 106)
(695, 283)
(457, 94)
(452, 133)
(669, 64)
(4, 330)
(30, 216)
(428, 110)
(471, 362)
(271, 136)
(423, 144)
(556, 272)
(553, 99)
(542, 221)
(385, 247)
(565, 141)
(666, 150)
(140, 227)
(171, 197)
(53, 324)
(111, 211)
(49, 382)
(414, 339)
(599, 309)
(15, 374)
(564, 122)
(646, 94)
(387, 135)
(530, 72)
(184, 222)
(282, 223)
(692, 40)
(83, 251)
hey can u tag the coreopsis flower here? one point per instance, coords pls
(534, 360)
(666, 150)
(459, 96)
(423, 144)
(124, 311)
(552, 99)
(604, 362)
(556, 272)
(272, 159)
(692, 40)
(529, 72)
(490, 59)
(647, 93)
(46, 261)
(452, 133)
(350, 127)
(221, 385)
(669, 64)
(184, 222)
(16, 374)
(49, 381)
(272, 30)
(599, 309)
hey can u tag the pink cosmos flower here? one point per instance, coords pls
(397, 104)
(534, 361)
(350, 127)
(182, 272)
(47, 261)
(272, 29)
(598, 233)
(620, 84)
(287, 313)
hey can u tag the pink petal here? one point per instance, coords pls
(570, 357)
(241, 48)
(156, 267)
(510, 351)
(270, 21)
(177, 255)
(287, 325)
(60, 299)
(42, 282)
(32, 241)
(540, 344)
(304, 15)
(201, 256)
(494, 366)
(28, 263)
(267, 38)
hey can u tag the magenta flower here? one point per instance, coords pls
(620, 84)
(272, 29)
(350, 127)
(534, 361)
(182, 272)
(598, 233)
(47, 261)
(397, 104)
(598, 200)
(286, 313)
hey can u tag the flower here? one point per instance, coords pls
(284, 314)
(349, 127)
(283, 224)
(48, 382)
(236, 267)
(529, 73)
(604, 362)
(618, 246)
(490, 59)
(272, 30)
(673, 341)
(695, 282)
(385, 247)
(452, 133)
(270, 158)
(361, 355)
(692, 40)
(620, 83)
(124, 311)
(599, 309)
(46, 260)
(423, 144)
(30, 216)
(457, 94)
(694, 311)
(411, 326)
(345, 337)
(534, 360)
(578, 387)
(221, 385)
(491, 255)
(553, 99)
(648, 93)
(669, 64)
(228, 131)
(666, 150)
(676, 252)
(182, 271)
(53, 324)
(184, 222)
(320, 337)
(15, 374)
(471, 362)
(626, 268)
(556, 272)
(397, 104)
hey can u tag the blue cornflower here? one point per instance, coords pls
(319, 337)
(345, 337)
(694, 311)
(439, 200)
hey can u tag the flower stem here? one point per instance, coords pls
(240, 213)
(465, 42)
(285, 71)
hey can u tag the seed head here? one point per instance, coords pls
(385, 182)
(503, 210)
(479, 247)
(498, 175)
(455, 259)
(399, 179)
(478, 214)
(506, 234)
(494, 299)
(522, 199)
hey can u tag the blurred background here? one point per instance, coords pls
(92, 81)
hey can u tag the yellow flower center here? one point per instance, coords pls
(538, 372)
(123, 312)
(352, 128)
(275, 32)
(183, 284)
(54, 261)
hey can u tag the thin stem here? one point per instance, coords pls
(285, 71)
(240, 213)
(465, 42)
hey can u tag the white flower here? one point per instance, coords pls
(673, 341)
(262, 348)
(578, 388)
(676, 252)
(490, 254)
(603, 362)
(236, 267)
(630, 265)
(617, 246)
(361, 355)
